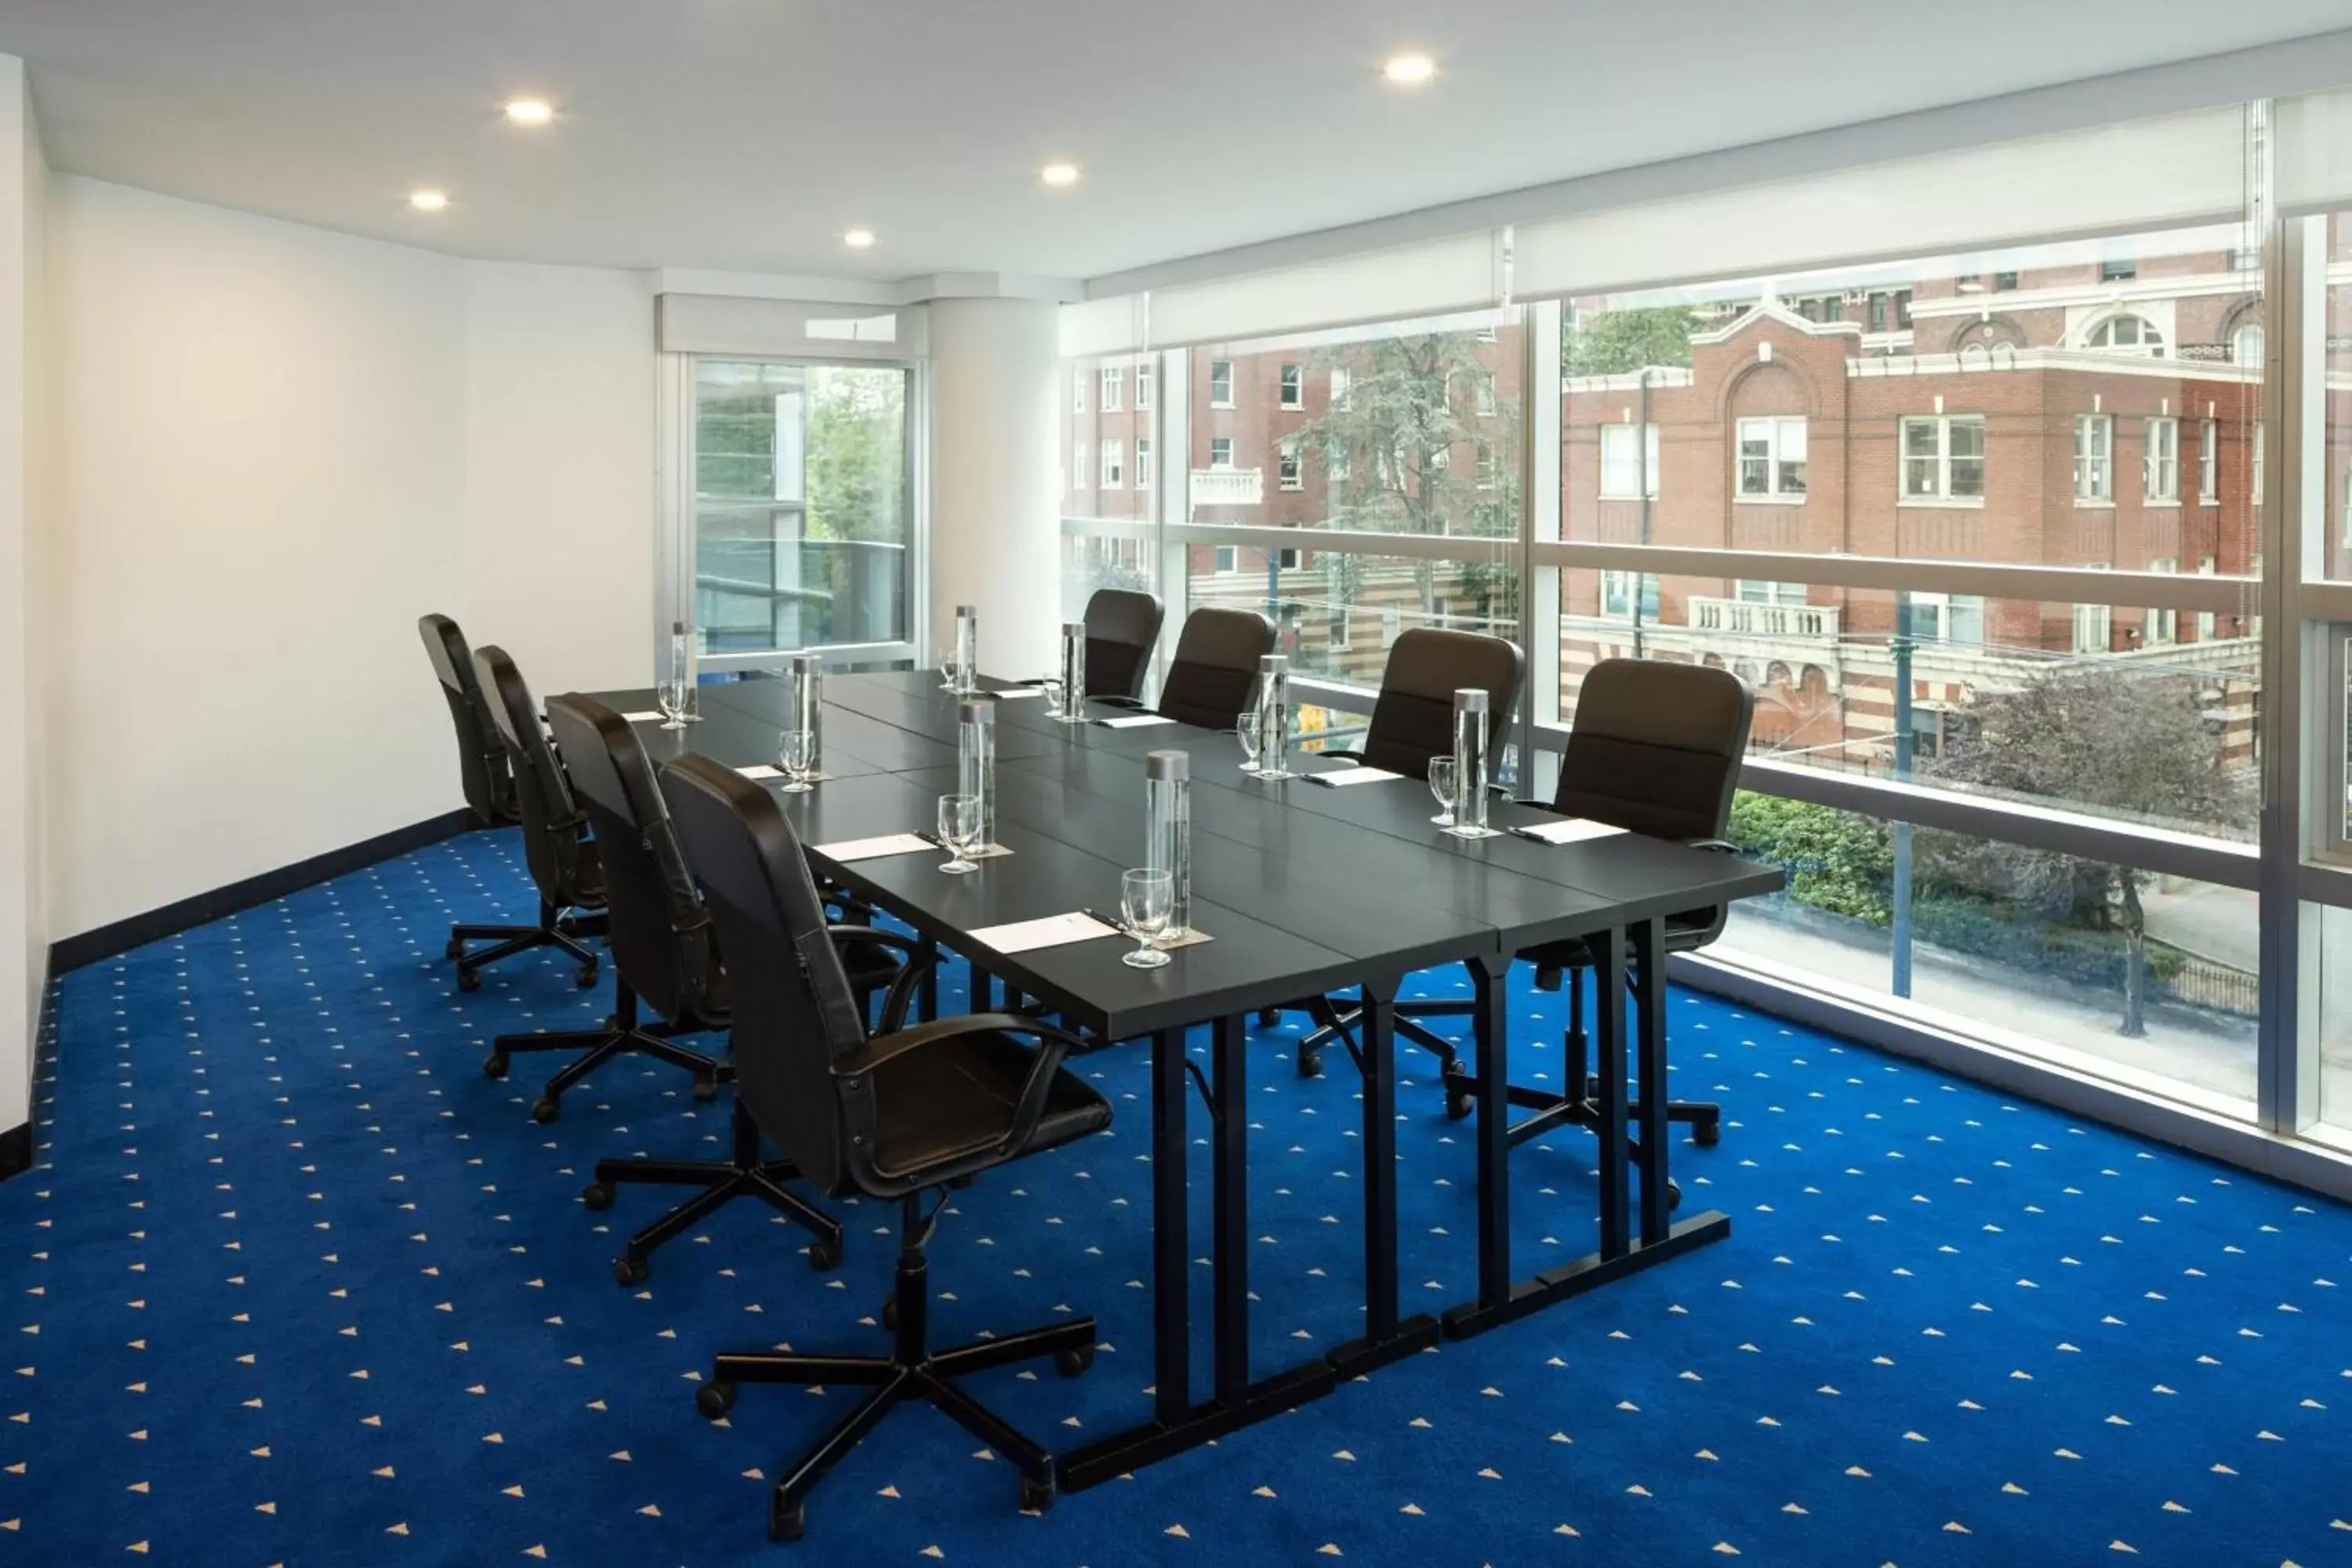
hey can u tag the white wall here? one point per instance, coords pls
(23, 926)
(560, 497)
(995, 476)
(276, 448)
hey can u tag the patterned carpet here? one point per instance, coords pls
(293, 1283)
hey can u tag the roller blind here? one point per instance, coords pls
(2314, 160)
(2179, 170)
(793, 329)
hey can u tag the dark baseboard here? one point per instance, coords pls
(16, 1150)
(121, 936)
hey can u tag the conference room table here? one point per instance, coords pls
(1304, 892)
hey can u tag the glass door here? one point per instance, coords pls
(800, 531)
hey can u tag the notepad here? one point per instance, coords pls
(761, 771)
(643, 718)
(1340, 778)
(1054, 931)
(1568, 830)
(875, 848)
(1135, 721)
(1015, 693)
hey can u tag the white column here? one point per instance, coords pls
(995, 369)
(23, 927)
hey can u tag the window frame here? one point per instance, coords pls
(1221, 370)
(1943, 463)
(2159, 475)
(1291, 386)
(1111, 463)
(2095, 459)
(1113, 397)
(1646, 466)
(1774, 430)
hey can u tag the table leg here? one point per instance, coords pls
(1650, 1062)
(1492, 1022)
(1230, 1225)
(1387, 1334)
(1609, 1039)
(1171, 1342)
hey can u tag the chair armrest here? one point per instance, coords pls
(919, 958)
(1720, 846)
(1342, 753)
(1054, 1043)
(1131, 702)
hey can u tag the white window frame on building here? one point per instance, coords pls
(1342, 386)
(1932, 477)
(1488, 466)
(1143, 462)
(2127, 333)
(2209, 463)
(1484, 398)
(1144, 387)
(1290, 470)
(1114, 465)
(1618, 589)
(1078, 390)
(1224, 443)
(2095, 625)
(1771, 453)
(1294, 384)
(2161, 625)
(1114, 388)
(2095, 459)
(1626, 475)
(1226, 560)
(2161, 464)
(1221, 374)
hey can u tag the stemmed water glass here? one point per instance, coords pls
(1146, 899)
(1053, 685)
(1245, 730)
(669, 696)
(952, 667)
(958, 831)
(1446, 784)
(797, 752)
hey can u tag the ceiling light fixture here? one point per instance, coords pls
(1410, 70)
(1059, 174)
(530, 111)
(858, 238)
(428, 201)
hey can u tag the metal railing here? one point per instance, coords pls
(1748, 617)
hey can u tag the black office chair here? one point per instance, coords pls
(675, 969)
(890, 1115)
(1413, 722)
(1122, 628)
(1656, 748)
(1210, 678)
(488, 779)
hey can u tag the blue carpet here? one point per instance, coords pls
(294, 1284)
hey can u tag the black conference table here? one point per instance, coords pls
(1306, 890)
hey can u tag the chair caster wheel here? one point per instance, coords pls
(786, 1521)
(714, 1399)
(587, 977)
(823, 1255)
(1673, 1195)
(1310, 1064)
(1036, 1495)
(494, 1066)
(629, 1271)
(1707, 1134)
(1592, 1088)
(598, 1196)
(1071, 1362)
(890, 1313)
(706, 1089)
(1267, 1017)
(469, 980)
(1459, 1103)
(545, 1109)
(455, 950)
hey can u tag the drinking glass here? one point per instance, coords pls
(1446, 787)
(958, 831)
(669, 696)
(1053, 685)
(1245, 730)
(1145, 901)
(797, 752)
(950, 668)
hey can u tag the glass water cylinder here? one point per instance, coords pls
(1073, 672)
(976, 760)
(1274, 716)
(967, 646)
(1470, 762)
(1168, 830)
(806, 674)
(682, 664)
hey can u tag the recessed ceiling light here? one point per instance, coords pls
(858, 238)
(1410, 70)
(531, 111)
(1059, 174)
(428, 201)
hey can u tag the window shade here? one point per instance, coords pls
(2314, 156)
(728, 324)
(2179, 170)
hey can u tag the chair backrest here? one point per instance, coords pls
(1122, 625)
(1656, 747)
(664, 948)
(1412, 720)
(794, 1010)
(1210, 678)
(482, 758)
(552, 819)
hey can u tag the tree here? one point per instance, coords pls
(2136, 747)
(1612, 343)
(1834, 860)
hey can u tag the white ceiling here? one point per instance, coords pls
(747, 134)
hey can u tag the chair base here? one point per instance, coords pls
(1332, 1024)
(555, 929)
(744, 1174)
(620, 1034)
(913, 1370)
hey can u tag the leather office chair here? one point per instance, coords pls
(1413, 722)
(675, 969)
(1656, 748)
(1210, 678)
(487, 775)
(1122, 628)
(893, 1115)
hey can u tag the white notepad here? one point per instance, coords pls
(1567, 830)
(1340, 778)
(875, 848)
(1135, 721)
(761, 771)
(1054, 931)
(1015, 693)
(643, 718)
